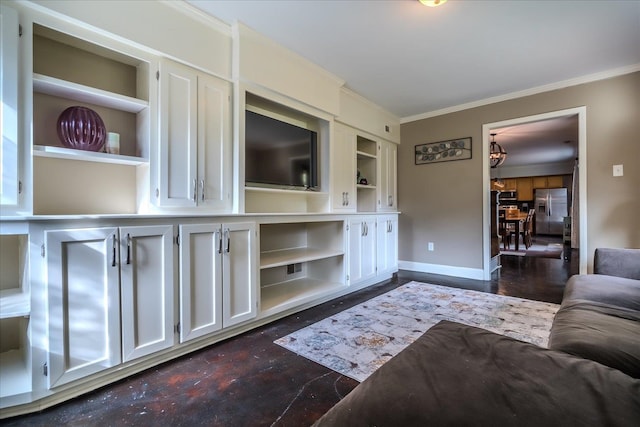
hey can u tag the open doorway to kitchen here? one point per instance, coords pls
(545, 152)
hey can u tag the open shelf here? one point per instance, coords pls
(15, 375)
(290, 294)
(89, 156)
(363, 155)
(275, 200)
(300, 262)
(14, 303)
(15, 366)
(77, 92)
(297, 255)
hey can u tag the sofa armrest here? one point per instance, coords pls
(617, 262)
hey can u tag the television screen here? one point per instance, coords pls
(279, 154)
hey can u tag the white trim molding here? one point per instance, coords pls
(447, 270)
(527, 92)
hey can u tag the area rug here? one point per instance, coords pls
(552, 250)
(359, 340)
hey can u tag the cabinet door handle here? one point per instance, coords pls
(128, 248)
(347, 203)
(227, 236)
(390, 200)
(113, 259)
(219, 240)
(202, 186)
(195, 191)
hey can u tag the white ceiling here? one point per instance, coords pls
(411, 59)
(415, 61)
(542, 142)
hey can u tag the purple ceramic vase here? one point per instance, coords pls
(81, 128)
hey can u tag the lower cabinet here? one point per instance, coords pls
(146, 270)
(362, 249)
(83, 303)
(106, 296)
(217, 277)
(387, 244)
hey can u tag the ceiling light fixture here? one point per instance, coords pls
(497, 155)
(432, 3)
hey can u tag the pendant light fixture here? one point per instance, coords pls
(497, 155)
(432, 3)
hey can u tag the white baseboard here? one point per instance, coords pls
(447, 270)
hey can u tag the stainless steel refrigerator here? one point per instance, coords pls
(551, 208)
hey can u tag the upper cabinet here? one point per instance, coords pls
(387, 181)
(11, 152)
(343, 172)
(195, 140)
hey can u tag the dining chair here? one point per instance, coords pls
(503, 230)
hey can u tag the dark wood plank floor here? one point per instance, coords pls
(249, 381)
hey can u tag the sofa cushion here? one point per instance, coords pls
(609, 290)
(607, 334)
(460, 375)
(617, 262)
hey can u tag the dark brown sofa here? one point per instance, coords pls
(457, 375)
(599, 318)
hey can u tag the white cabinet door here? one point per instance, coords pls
(362, 249)
(83, 303)
(214, 143)
(343, 169)
(195, 140)
(387, 244)
(239, 273)
(178, 136)
(200, 280)
(9, 148)
(146, 255)
(387, 184)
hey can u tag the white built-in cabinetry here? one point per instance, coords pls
(300, 262)
(217, 277)
(386, 244)
(362, 249)
(83, 289)
(366, 179)
(15, 312)
(115, 263)
(343, 178)
(115, 82)
(147, 288)
(11, 151)
(387, 176)
(195, 140)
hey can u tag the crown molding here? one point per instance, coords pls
(527, 92)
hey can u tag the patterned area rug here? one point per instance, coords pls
(359, 340)
(551, 250)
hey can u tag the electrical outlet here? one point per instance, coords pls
(430, 246)
(618, 170)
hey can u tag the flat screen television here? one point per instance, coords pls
(279, 154)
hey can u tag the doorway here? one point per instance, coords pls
(489, 262)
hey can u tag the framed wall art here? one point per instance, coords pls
(443, 151)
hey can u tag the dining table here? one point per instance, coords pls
(516, 219)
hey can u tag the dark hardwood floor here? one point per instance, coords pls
(249, 381)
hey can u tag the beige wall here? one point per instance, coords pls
(442, 203)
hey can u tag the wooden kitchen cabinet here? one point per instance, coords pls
(555, 181)
(510, 184)
(525, 189)
(552, 181)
